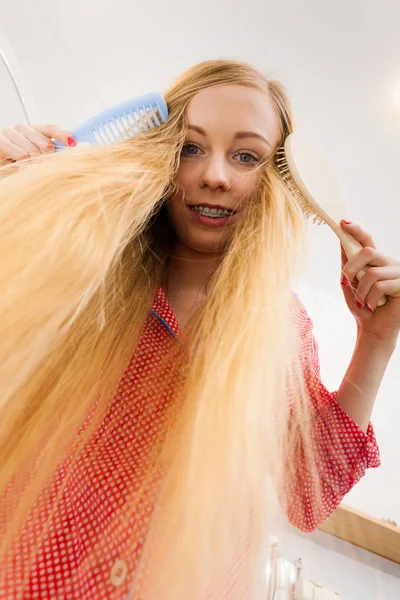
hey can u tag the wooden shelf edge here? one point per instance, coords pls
(364, 531)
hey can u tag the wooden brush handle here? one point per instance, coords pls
(351, 247)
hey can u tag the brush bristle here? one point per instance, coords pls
(123, 127)
(283, 168)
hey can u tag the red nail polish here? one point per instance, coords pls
(359, 305)
(71, 141)
(348, 222)
(344, 281)
(369, 308)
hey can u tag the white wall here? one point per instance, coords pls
(340, 64)
(16, 102)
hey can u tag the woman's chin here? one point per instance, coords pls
(208, 242)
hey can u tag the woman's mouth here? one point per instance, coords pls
(211, 216)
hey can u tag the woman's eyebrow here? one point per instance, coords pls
(238, 135)
(198, 129)
(245, 134)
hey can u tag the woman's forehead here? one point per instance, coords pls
(234, 108)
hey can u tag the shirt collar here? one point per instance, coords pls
(162, 310)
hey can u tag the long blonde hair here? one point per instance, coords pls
(83, 249)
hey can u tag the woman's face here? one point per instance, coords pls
(231, 130)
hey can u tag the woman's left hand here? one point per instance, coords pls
(382, 279)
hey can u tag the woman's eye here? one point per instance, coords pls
(247, 158)
(190, 150)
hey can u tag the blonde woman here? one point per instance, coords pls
(159, 379)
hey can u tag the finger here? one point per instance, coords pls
(372, 277)
(55, 132)
(389, 288)
(4, 160)
(42, 142)
(367, 257)
(358, 233)
(18, 139)
(11, 151)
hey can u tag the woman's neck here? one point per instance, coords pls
(187, 275)
(189, 269)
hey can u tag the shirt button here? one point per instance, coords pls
(118, 572)
(184, 370)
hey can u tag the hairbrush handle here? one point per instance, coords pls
(352, 247)
(79, 136)
(122, 121)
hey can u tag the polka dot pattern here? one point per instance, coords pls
(341, 450)
(82, 558)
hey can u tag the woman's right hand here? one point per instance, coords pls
(23, 141)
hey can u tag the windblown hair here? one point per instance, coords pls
(84, 243)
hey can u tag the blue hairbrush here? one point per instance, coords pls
(122, 121)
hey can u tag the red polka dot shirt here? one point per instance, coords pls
(81, 558)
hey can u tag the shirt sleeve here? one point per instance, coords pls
(341, 450)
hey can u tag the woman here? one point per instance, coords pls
(159, 379)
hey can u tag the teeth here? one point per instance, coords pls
(216, 213)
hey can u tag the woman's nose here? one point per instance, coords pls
(215, 175)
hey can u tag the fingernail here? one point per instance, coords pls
(348, 222)
(71, 141)
(344, 281)
(369, 308)
(359, 305)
